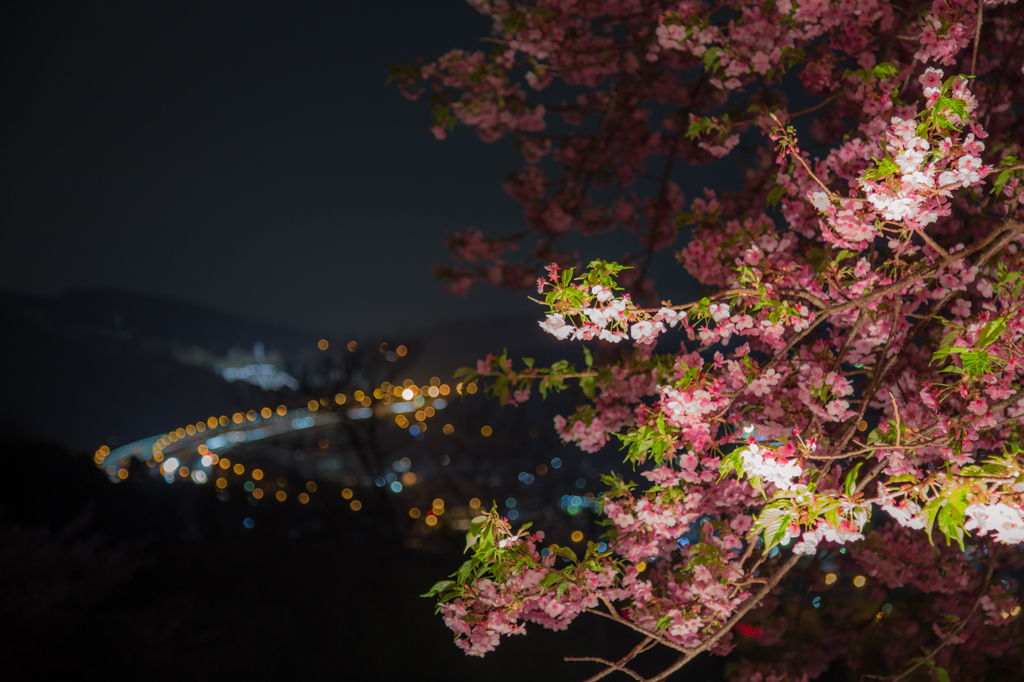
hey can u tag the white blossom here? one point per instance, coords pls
(556, 325)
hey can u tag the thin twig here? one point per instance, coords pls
(954, 632)
(977, 37)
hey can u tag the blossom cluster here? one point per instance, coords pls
(861, 328)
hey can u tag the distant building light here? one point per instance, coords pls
(360, 413)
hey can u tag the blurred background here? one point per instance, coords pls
(234, 445)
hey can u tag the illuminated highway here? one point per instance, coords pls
(192, 451)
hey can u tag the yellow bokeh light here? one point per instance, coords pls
(429, 411)
(401, 351)
(303, 498)
(831, 578)
(542, 469)
(190, 430)
(415, 513)
(408, 478)
(313, 405)
(266, 412)
(640, 566)
(200, 426)
(281, 496)
(225, 463)
(347, 493)
(238, 417)
(282, 410)
(420, 415)
(378, 394)
(122, 474)
(439, 503)
(257, 493)
(311, 487)
(340, 398)
(448, 429)
(444, 389)
(474, 503)
(401, 421)
(471, 389)
(358, 396)
(326, 402)
(322, 344)
(433, 391)
(365, 401)
(224, 421)
(239, 469)
(251, 415)
(104, 450)
(486, 431)
(352, 346)
(180, 433)
(435, 381)
(212, 422)
(860, 581)
(183, 472)
(356, 505)
(431, 520)
(222, 483)
(577, 536)
(257, 474)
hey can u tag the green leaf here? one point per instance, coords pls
(851, 479)
(941, 674)
(929, 513)
(439, 587)
(664, 622)
(976, 363)
(991, 332)
(710, 59)
(551, 578)
(775, 195)
(951, 523)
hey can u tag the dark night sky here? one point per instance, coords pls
(245, 156)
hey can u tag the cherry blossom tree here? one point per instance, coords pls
(845, 399)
